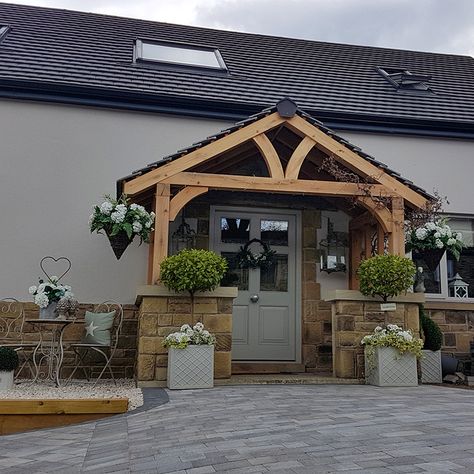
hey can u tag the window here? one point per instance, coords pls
(179, 54)
(403, 79)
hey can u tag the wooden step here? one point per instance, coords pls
(267, 368)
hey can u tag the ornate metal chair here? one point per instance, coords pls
(12, 321)
(84, 351)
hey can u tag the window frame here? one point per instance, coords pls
(138, 54)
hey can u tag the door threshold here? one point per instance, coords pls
(283, 379)
(242, 368)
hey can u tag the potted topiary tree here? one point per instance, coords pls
(8, 364)
(391, 352)
(430, 362)
(191, 350)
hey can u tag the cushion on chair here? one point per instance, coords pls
(97, 328)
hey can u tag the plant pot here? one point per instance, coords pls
(449, 364)
(119, 242)
(430, 365)
(389, 368)
(49, 312)
(431, 257)
(6, 379)
(192, 367)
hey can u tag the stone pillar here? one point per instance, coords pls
(355, 315)
(163, 312)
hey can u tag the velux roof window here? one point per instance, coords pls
(180, 54)
(4, 29)
(405, 80)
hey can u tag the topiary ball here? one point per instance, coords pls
(8, 359)
(433, 336)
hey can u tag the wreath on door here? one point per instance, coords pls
(248, 259)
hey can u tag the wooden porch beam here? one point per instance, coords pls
(160, 241)
(263, 184)
(355, 162)
(270, 155)
(378, 210)
(183, 197)
(396, 239)
(202, 154)
(297, 158)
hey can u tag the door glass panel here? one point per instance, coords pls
(235, 230)
(275, 277)
(274, 232)
(235, 276)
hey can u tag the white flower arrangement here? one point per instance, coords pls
(50, 291)
(435, 235)
(117, 215)
(188, 335)
(393, 336)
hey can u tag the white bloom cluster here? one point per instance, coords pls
(47, 292)
(391, 330)
(188, 335)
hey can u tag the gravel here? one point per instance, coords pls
(78, 389)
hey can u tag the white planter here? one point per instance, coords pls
(192, 367)
(430, 365)
(6, 380)
(389, 368)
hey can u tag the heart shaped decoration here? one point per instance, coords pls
(55, 260)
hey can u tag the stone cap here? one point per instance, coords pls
(161, 290)
(354, 295)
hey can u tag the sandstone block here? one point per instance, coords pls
(167, 330)
(449, 339)
(344, 363)
(145, 367)
(456, 317)
(154, 304)
(151, 345)
(222, 365)
(161, 373)
(350, 308)
(225, 305)
(179, 305)
(148, 324)
(309, 271)
(312, 333)
(205, 305)
(218, 323)
(223, 342)
(345, 323)
(311, 290)
(179, 319)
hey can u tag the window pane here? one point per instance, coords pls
(235, 231)
(275, 277)
(432, 280)
(274, 232)
(235, 276)
(180, 55)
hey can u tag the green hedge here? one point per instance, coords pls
(432, 334)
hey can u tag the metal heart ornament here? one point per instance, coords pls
(52, 261)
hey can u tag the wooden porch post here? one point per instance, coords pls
(396, 239)
(159, 246)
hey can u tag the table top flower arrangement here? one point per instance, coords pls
(393, 336)
(121, 221)
(47, 292)
(189, 336)
(435, 235)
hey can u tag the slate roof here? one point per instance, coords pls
(287, 108)
(57, 51)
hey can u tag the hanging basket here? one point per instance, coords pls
(431, 257)
(119, 242)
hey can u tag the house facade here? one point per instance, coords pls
(87, 99)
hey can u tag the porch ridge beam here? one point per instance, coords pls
(270, 155)
(355, 162)
(183, 197)
(297, 158)
(284, 186)
(202, 154)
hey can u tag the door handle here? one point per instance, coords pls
(254, 298)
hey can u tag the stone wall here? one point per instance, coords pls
(354, 316)
(123, 363)
(162, 312)
(457, 325)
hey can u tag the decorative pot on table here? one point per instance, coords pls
(49, 312)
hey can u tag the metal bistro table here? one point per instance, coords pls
(49, 349)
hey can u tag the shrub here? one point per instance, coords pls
(386, 275)
(193, 270)
(432, 335)
(8, 359)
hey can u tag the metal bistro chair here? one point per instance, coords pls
(12, 321)
(84, 351)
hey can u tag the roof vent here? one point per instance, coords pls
(4, 29)
(405, 80)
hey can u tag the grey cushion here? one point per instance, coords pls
(97, 328)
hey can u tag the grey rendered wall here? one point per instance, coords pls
(55, 163)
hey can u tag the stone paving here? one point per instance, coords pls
(285, 428)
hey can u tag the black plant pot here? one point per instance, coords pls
(119, 242)
(431, 257)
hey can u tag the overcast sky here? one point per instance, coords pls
(445, 26)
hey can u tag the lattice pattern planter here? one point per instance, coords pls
(192, 367)
(430, 365)
(389, 368)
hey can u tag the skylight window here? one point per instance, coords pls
(3, 31)
(405, 80)
(179, 54)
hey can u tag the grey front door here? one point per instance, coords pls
(264, 316)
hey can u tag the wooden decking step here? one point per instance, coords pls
(266, 368)
(302, 379)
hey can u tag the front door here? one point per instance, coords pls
(264, 317)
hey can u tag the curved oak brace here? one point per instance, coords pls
(381, 213)
(297, 158)
(269, 155)
(183, 197)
